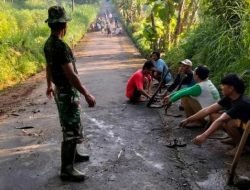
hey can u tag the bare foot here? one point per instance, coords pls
(143, 99)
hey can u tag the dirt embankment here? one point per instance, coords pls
(12, 97)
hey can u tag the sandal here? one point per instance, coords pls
(176, 143)
(156, 106)
(173, 115)
(171, 144)
(180, 143)
(194, 125)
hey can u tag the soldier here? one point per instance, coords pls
(61, 71)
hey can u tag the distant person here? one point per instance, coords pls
(61, 71)
(109, 29)
(110, 17)
(199, 96)
(102, 25)
(161, 67)
(138, 84)
(92, 27)
(118, 31)
(106, 15)
(116, 22)
(98, 24)
(235, 108)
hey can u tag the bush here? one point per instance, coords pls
(219, 41)
(23, 34)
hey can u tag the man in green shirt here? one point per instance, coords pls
(200, 95)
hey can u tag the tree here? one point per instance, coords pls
(73, 5)
(165, 20)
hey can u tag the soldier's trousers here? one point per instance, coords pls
(68, 104)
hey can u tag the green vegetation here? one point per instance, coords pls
(23, 33)
(211, 32)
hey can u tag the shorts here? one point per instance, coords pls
(241, 127)
(241, 124)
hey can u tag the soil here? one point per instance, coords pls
(126, 142)
(12, 97)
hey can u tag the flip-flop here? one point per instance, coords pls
(193, 126)
(219, 136)
(156, 106)
(176, 143)
(180, 143)
(157, 99)
(25, 127)
(173, 115)
(171, 144)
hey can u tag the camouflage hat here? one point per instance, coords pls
(57, 14)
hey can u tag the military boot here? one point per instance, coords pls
(68, 172)
(80, 157)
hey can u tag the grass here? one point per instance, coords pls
(23, 33)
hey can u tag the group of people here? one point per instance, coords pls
(199, 98)
(104, 24)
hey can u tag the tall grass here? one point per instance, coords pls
(221, 40)
(23, 33)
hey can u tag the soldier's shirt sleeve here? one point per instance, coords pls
(65, 55)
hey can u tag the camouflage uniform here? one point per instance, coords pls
(57, 54)
(67, 97)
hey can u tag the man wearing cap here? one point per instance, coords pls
(161, 67)
(139, 82)
(183, 79)
(199, 96)
(61, 71)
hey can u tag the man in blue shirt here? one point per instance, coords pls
(161, 67)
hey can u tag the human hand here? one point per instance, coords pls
(49, 92)
(198, 140)
(166, 100)
(90, 100)
(183, 123)
(165, 94)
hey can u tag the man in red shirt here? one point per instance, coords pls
(139, 83)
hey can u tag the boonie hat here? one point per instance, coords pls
(57, 14)
(186, 62)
